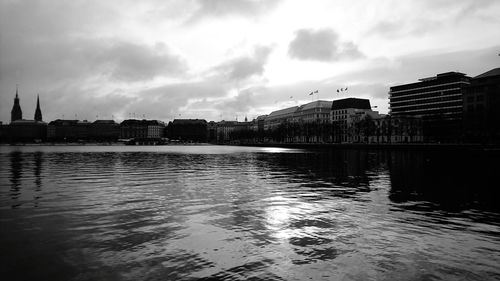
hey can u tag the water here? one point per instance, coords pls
(239, 213)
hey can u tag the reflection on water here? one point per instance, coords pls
(235, 213)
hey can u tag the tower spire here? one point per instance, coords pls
(38, 112)
(16, 112)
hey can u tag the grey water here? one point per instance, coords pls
(242, 213)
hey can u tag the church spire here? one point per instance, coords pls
(16, 112)
(38, 112)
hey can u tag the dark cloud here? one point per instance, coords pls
(221, 8)
(171, 100)
(134, 62)
(321, 45)
(246, 66)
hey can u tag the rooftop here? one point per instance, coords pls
(490, 73)
(189, 121)
(351, 103)
(289, 110)
(316, 104)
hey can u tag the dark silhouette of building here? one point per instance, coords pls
(4, 132)
(38, 112)
(212, 131)
(68, 130)
(351, 103)
(195, 130)
(21, 130)
(16, 113)
(481, 118)
(141, 129)
(104, 130)
(27, 131)
(438, 100)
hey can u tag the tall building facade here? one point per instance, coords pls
(481, 104)
(438, 100)
(16, 113)
(346, 112)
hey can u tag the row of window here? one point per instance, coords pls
(435, 100)
(443, 104)
(396, 90)
(431, 110)
(437, 91)
(472, 98)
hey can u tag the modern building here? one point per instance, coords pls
(438, 100)
(347, 112)
(481, 105)
(194, 130)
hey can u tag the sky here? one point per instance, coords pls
(230, 59)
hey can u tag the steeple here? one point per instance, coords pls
(38, 112)
(16, 112)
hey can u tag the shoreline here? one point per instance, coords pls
(383, 146)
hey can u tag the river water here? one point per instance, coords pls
(240, 213)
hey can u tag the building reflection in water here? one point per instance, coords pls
(38, 159)
(20, 189)
(16, 173)
(445, 180)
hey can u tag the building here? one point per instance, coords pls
(347, 112)
(27, 131)
(316, 111)
(4, 132)
(68, 130)
(22, 130)
(195, 130)
(104, 130)
(141, 129)
(278, 117)
(481, 104)
(212, 131)
(228, 131)
(438, 100)
(16, 113)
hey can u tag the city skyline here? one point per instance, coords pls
(220, 59)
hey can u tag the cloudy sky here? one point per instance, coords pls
(222, 59)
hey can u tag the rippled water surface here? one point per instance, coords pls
(239, 213)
